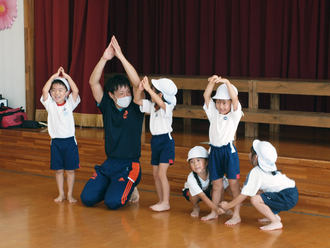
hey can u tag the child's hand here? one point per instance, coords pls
(214, 79)
(223, 205)
(63, 74)
(220, 211)
(145, 83)
(117, 50)
(109, 53)
(141, 88)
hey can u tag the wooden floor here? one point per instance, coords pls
(30, 218)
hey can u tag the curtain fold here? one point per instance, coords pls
(253, 38)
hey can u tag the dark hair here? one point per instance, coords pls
(116, 82)
(253, 152)
(57, 81)
(157, 92)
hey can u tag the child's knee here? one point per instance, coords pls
(255, 200)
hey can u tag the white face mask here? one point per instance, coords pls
(124, 102)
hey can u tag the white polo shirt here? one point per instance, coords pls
(222, 127)
(258, 179)
(160, 121)
(60, 118)
(194, 188)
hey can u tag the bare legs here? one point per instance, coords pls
(234, 187)
(59, 175)
(194, 201)
(275, 220)
(162, 187)
(216, 197)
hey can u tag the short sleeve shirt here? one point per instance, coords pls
(222, 127)
(60, 118)
(123, 129)
(160, 120)
(194, 188)
(258, 179)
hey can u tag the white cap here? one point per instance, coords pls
(64, 81)
(197, 152)
(267, 155)
(167, 87)
(223, 93)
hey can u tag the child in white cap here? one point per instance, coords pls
(60, 104)
(224, 115)
(280, 192)
(198, 186)
(160, 108)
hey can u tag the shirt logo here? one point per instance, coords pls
(125, 114)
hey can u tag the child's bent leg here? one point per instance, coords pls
(59, 175)
(165, 203)
(194, 202)
(234, 187)
(216, 197)
(70, 177)
(259, 204)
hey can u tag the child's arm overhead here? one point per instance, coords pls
(209, 88)
(238, 200)
(73, 86)
(137, 97)
(232, 93)
(94, 80)
(48, 84)
(153, 94)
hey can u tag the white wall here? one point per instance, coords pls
(12, 61)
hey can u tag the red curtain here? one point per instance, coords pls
(252, 38)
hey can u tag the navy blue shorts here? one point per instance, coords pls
(281, 201)
(222, 161)
(207, 192)
(163, 149)
(64, 154)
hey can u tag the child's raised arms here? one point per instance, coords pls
(73, 86)
(48, 84)
(209, 89)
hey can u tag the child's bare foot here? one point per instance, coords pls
(266, 219)
(195, 212)
(60, 198)
(210, 216)
(233, 221)
(272, 226)
(71, 199)
(158, 203)
(160, 207)
(135, 196)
